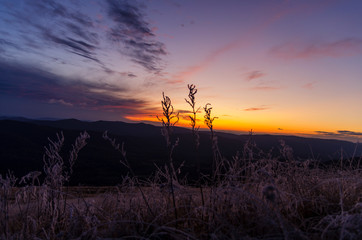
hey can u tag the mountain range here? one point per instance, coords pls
(22, 143)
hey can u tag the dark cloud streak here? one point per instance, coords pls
(349, 133)
(76, 45)
(256, 109)
(80, 32)
(326, 133)
(340, 133)
(29, 83)
(4, 42)
(129, 16)
(341, 48)
(254, 75)
(133, 31)
(260, 108)
(39, 26)
(45, 24)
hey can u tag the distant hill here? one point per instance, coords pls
(115, 127)
(22, 144)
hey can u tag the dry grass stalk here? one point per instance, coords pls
(217, 161)
(126, 163)
(195, 133)
(170, 119)
(191, 101)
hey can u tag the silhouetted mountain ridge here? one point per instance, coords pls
(22, 147)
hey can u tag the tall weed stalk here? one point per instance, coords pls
(169, 120)
(195, 133)
(217, 160)
(126, 163)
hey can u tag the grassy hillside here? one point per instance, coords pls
(249, 196)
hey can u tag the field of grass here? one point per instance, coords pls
(251, 196)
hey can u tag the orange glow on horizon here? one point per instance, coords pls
(244, 127)
(223, 125)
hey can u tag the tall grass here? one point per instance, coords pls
(170, 118)
(253, 195)
(196, 136)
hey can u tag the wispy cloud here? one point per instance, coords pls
(5, 43)
(78, 47)
(128, 74)
(184, 111)
(29, 83)
(309, 85)
(61, 101)
(247, 39)
(242, 42)
(80, 32)
(349, 133)
(263, 107)
(254, 75)
(52, 25)
(58, 25)
(183, 75)
(265, 88)
(326, 133)
(342, 133)
(342, 48)
(134, 32)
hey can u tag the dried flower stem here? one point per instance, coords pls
(193, 119)
(169, 120)
(125, 162)
(217, 158)
(195, 132)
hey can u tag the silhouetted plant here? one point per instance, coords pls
(217, 158)
(126, 163)
(195, 132)
(208, 119)
(169, 120)
(193, 119)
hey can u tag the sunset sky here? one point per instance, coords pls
(282, 67)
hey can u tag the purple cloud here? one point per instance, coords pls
(46, 25)
(342, 48)
(38, 85)
(265, 88)
(134, 32)
(349, 133)
(256, 108)
(309, 85)
(340, 133)
(254, 75)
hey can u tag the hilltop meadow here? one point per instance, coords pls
(194, 193)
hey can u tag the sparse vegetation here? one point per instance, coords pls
(251, 196)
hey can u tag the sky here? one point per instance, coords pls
(273, 66)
